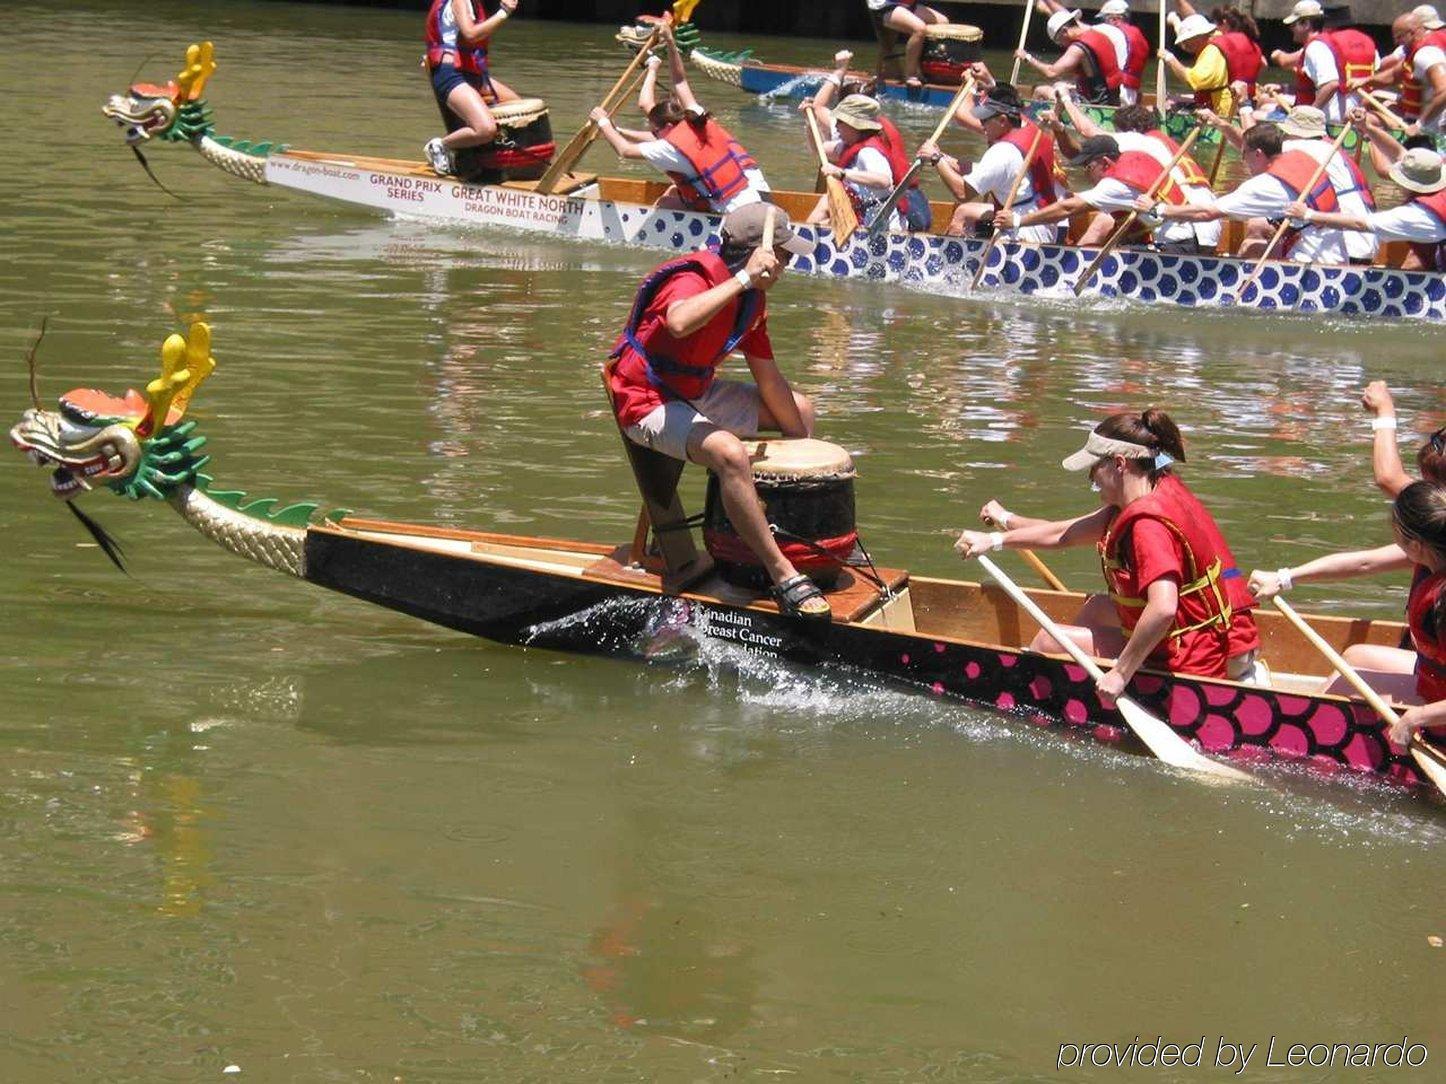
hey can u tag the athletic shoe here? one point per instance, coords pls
(438, 157)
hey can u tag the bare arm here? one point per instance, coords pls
(1055, 212)
(777, 396)
(1390, 475)
(648, 95)
(687, 315)
(681, 90)
(1039, 534)
(1069, 60)
(624, 146)
(1434, 104)
(1336, 566)
(823, 96)
(1077, 116)
(471, 31)
(1162, 598)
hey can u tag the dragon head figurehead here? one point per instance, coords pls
(138, 445)
(175, 111)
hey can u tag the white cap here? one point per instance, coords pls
(1304, 9)
(1113, 7)
(1192, 26)
(1428, 16)
(1058, 21)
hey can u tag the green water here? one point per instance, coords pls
(250, 823)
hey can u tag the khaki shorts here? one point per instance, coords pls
(728, 404)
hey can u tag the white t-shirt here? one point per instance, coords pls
(1408, 222)
(1359, 246)
(1197, 195)
(869, 160)
(1421, 65)
(1118, 40)
(669, 159)
(1113, 195)
(1319, 65)
(1265, 196)
(992, 177)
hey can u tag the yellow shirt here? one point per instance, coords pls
(1211, 73)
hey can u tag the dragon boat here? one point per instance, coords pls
(953, 640)
(620, 210)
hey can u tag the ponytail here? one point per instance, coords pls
(1153, 429)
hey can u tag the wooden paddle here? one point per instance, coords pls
(578, 145)
(1023, 36)
(1155, 733)
(1118, 235)
(1220, 150)
(1160, 63)
(840, 208)
(881, 216)
(1380, 107)
(1280, 230)
(1008, 207)
(767, 243)
(1032, 559)
(1429, 759)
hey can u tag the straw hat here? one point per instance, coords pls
(1304, 122)
(859, 112)
(1192, 26)
(1419, 170)
(1304, 9)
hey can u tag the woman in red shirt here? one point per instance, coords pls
(1176, 600)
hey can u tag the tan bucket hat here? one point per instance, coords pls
(1304, 122)
(859, 112)
(1419, 170)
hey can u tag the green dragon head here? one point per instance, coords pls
(138, 445)
(174, 112)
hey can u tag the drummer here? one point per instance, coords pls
(710, 170)
(907, 18)
(1176, 599)
(1415, 677)
(689, 314)
(1010, 135)
(457, 39)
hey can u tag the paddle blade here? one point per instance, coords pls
(841, 213)
(1169, 746)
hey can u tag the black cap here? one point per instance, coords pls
(995, 107)
(1100, 146)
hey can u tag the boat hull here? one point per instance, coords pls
(929, 262)
(441, 579)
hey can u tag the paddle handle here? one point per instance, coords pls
(1280, 230)
(1014, 591)
(1008, 206)
(815, 137)
(1382, 108)
(1023, 36)
(1337, 661)
(1220, 150)
(1160, 63)
(767, 244)
(964, 91)
(1114, 239)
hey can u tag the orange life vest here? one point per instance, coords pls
(443, 40)
(718, 162)
(1137, 56)
(1189, 168)
(1045, 176)
(1294, 169)
(1413, 93)
(1428, 639)
(1101, 79)
(1140, 171)
(1432, 254)
(1355, 56)
(1203, 615)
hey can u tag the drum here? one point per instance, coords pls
(521, 151)
(949, 49)
(807, 489)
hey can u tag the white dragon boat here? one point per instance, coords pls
(619, 210)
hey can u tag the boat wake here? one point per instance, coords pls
(808, 81)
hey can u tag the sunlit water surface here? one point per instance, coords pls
(249, 823)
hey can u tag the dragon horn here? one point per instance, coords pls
(199, 363)
(200, 64)
(184, 364)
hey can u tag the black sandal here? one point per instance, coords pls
(796, 592)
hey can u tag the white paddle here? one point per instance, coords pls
(1155, 733)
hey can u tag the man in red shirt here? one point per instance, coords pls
(689, 314)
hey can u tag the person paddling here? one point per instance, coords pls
(1088, 55)
(1329, 63)
(860, 158)
(1176, 600)
(1414, 677)
(457, 40)
(709, 168)
(1132, 50)
(1225, 54)
(689, 314)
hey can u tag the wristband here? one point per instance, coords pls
(1003, 518)
(1283, 576)
(1385, 421)
(996, 540)
(743, 278)
(503, 13)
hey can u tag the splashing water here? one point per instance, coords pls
(809, 81)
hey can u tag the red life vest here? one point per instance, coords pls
(1413, 93)
(443, 44)
(718, 162)
(1136, 58)
(1103, 82)
(1189, 169)
(1294, 169)
(1432, 254)
(1044, 173)
(893, 145)
(1355, 56)
(1428, 640)
(1242, 63)
(1140, 171)
(1200, 635)
(674, 366)
(846, 159)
